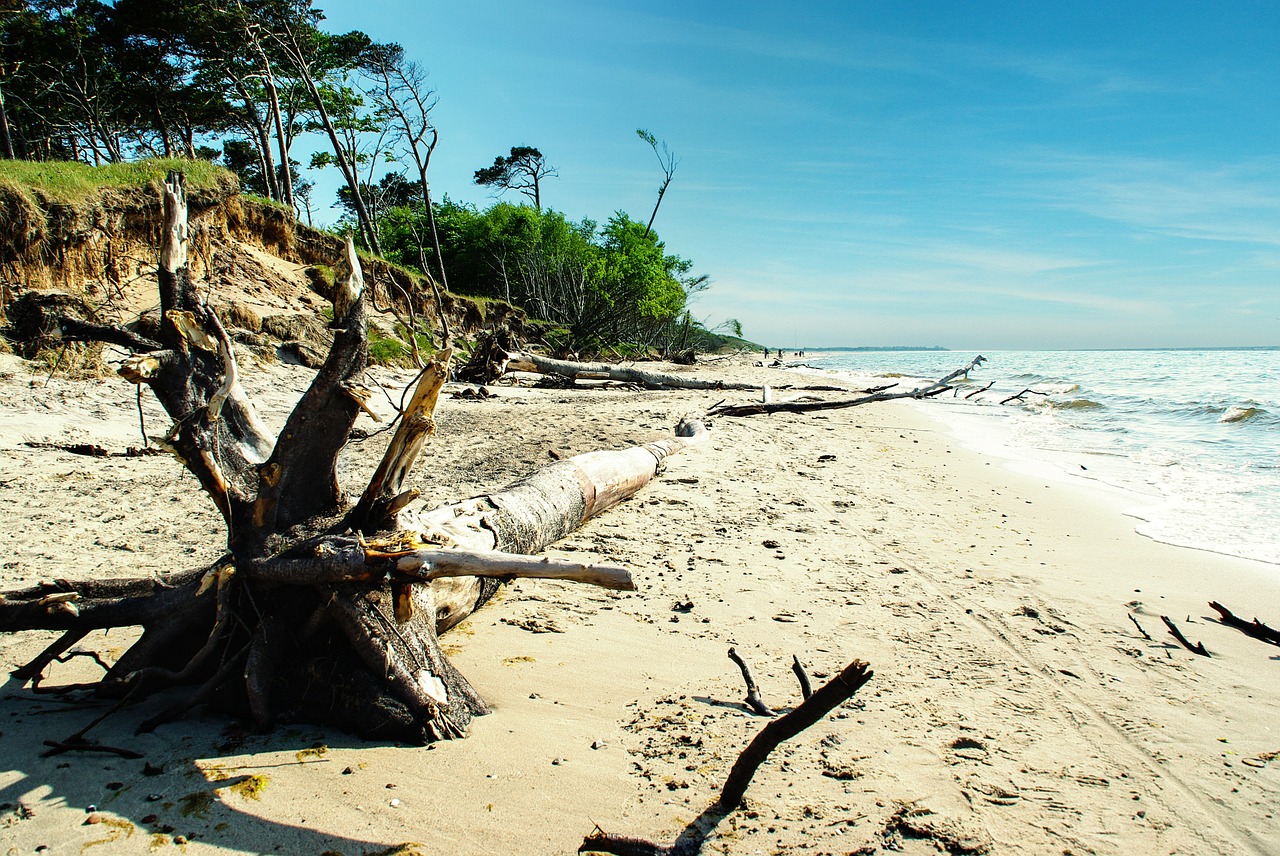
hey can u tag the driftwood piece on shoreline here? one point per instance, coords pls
(835, 692)
(1145, 634)
(496, 354)
(936, 388)
(530, 362)
(1197, 648)
(962, 372)
(1254, 628)
(753, 692)
(1025, 392)
(806, 689)
(319, 611)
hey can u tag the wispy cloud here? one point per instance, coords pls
(1237, 202)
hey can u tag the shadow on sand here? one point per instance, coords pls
(198, 780)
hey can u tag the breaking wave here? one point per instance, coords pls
(1236, 413)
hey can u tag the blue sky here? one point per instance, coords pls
(973, 175)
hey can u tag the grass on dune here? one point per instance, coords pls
(72, 182)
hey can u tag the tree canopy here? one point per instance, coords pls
(240, 81)
(599, 284)
(523, 171)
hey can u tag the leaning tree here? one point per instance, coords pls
(321, 609)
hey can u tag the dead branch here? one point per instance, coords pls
(75, 330)
(963, 372)
(1145, 634)
(836, 691)
(530, 362)
(416, 426)
(34, 670)
(753, 692)
(1197, 648)
(870, 397)
(1254, 628)
(1019, 396)
(806, 689)
(689, 843)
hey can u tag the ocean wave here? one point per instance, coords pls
(1066, 404)
(1237, 413)
(1076, 404)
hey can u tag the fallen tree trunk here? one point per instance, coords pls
(529, 362)
(495, 355)
(936, 388)
(319, 611)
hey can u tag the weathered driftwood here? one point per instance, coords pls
(936, 388)
(320, 610)
(1254, 628)
(979, 390)
(495, 354)
(753, 692)
(806, 689)
(962, 372)
(1145, 634)
(529, 362)
(1197, 648)
(836, 691)
(1021, 396)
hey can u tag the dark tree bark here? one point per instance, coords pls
(320, 611)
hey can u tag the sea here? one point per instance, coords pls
(1189, 438)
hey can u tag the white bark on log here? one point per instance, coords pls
(439, 564)
(526, 516)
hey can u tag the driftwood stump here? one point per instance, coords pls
(320, 610)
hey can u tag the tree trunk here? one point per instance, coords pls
(529, 362)
(367, 226)
(273, 98)
(871, 396)
(318, 611)
(6, 141)
(263, 142)
(662, 191)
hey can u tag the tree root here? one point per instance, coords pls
(332, 613)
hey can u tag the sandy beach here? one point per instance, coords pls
(1015, 706)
